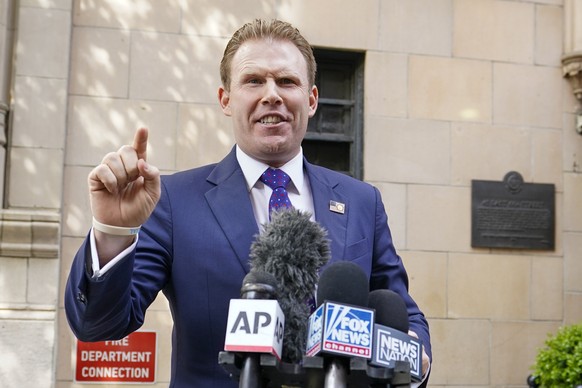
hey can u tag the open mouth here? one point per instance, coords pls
(270, 120)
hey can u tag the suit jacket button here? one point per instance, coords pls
(81, 297)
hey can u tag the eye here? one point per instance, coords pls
(287, 81)
(251, 79)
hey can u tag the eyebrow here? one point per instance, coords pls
(258, 72)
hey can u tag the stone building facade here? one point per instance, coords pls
(454, 91)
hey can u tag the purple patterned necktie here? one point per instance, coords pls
(277, 180)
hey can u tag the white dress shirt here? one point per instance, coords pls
(298, 189)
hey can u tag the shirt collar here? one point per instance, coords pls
(253, 169)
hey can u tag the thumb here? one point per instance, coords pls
(151, 176)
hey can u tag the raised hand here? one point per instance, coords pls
(124, 189)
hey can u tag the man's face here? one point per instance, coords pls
(270, 100)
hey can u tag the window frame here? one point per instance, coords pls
(328, 59)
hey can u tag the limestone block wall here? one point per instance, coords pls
(34, 69)
(476, 92)
(29, 266)
(454, 90)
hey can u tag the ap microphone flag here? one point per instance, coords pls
(255, 326)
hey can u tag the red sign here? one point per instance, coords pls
(129, 360)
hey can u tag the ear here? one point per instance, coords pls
(224, 100)
(313, 99)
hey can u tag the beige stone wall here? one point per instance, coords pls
(34, 68)
(455, 90)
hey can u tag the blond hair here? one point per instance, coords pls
(262, 29)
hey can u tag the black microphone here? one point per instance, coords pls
(391, 341)
(390, 309)
(255, 326)
(343, 282)
(293, 249)
(341, 328)
(259, 285)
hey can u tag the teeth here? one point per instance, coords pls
(270, 120)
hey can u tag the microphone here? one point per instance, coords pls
(255, 325)
(343, 282)
(391, 342)
(340, 328)
(293, 249)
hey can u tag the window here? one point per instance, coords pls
(334, 134)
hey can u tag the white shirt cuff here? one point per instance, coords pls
(97, 271)
(416, 385)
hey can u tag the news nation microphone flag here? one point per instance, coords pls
(255, 326)
(340, 329)
(391, 345)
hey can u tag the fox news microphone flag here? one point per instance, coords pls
(341, 325)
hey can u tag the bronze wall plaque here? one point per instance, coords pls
(512, 214)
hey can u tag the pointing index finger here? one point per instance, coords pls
(140, 143)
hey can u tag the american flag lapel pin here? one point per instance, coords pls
(337, 207)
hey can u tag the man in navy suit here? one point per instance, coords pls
(189, 234)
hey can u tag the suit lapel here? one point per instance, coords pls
(230, 203)
(325, 189)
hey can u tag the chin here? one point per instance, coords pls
(275, 144)
(273, 149)
(275, 156)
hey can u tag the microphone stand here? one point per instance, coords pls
(336, 374)
(318, 372)
(250, 373)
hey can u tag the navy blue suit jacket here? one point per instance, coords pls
(195, 248)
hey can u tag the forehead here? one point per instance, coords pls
(277, 56)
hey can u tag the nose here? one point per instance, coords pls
(271, 94)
